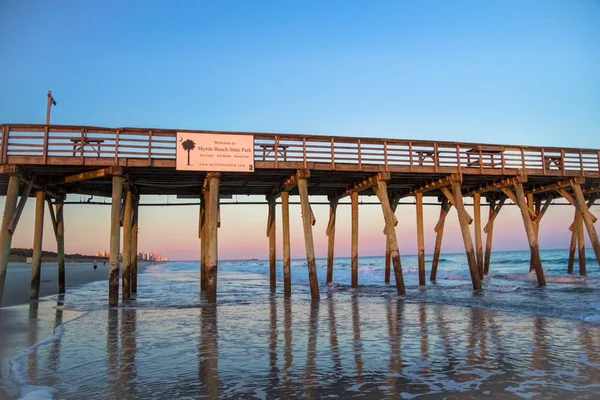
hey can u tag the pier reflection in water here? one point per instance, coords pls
(345, 346)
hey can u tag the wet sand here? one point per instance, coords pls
(18, 279)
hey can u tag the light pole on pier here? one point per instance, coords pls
(51, 102)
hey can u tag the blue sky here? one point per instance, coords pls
(517, 72)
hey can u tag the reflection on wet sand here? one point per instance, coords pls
(394, 310)
(311, 382)
(32, 339)
(357, 343)
(112, 352)
(360, 347)
(273, 370)
(333, 339)
(54, 356)
(127, 375)
(208, 354)
(287, 349)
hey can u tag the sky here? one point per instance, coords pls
(506, 71)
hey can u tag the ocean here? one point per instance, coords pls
(511, 340)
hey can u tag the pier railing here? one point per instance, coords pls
(72, 145)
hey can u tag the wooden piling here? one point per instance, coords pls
(489, 230)
(38, 234)
(530, 231)
(572, 247)
(390, 232)
(60, 244)
(331, 239)
(127, 217)
(488, 239)
(10, 205)
(285, 222)
(420, 238)
(272, 244)
(203, 238)
(115, 241)
(388, 251)
(578, 229)
(212, 242)
(134, 244)
(587, 219)
(463, 219)
(308, 237)
(439, 228)
(478, 241)
(354, 247)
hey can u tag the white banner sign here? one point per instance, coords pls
(215, 152)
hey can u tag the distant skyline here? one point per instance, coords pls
(516, 72)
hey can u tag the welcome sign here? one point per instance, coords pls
(215, 152)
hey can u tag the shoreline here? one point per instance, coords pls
(18, 279)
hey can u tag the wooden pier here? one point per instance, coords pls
(50, 161)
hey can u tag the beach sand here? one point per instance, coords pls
(18, 279)
(24, 322)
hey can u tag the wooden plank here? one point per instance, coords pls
(437, 184)
(88, 175)
(504, 183)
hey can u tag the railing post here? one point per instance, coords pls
(523, 159)
(543, 161)
(304, 153)
(503, 162)
(410, 158)
(581, 162)
(480, 161)
(276, 149)
(359, 155)
(333, 155)
(385, 158)
(458, 158)
(3, 142)
(117, 147)
(46, 137)
(562, 161)
(435, 157)
(82, 145)
(150, 148)
(5, 139)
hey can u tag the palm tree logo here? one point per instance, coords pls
(188, 145)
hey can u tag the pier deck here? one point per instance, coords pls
(57, 160)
